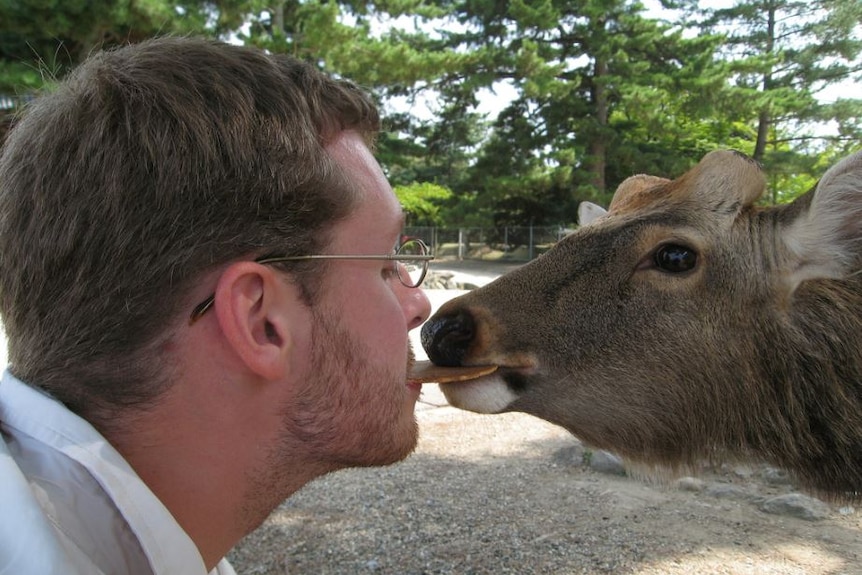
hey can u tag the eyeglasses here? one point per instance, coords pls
(413, 259)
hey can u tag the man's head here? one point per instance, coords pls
(148, 167)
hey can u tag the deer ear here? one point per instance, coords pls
(725, 181)
(589, 212)
(825, 240)
(634, 190)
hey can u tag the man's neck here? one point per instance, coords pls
(213, 466)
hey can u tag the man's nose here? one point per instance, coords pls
(416, 306)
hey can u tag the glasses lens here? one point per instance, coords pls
(415, 270)
(412, 248)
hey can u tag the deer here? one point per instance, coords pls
(685, 323)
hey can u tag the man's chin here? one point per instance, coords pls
(399, 448)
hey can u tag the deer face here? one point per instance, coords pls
(645, 330)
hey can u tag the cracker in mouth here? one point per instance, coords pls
(427, 372)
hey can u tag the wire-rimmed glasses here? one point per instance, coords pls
(412, 256)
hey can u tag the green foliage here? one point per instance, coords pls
(422, 202)
(41, 40)
(781, 54)
(603, 89)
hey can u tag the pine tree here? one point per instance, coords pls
(782, 54)
(583, 70)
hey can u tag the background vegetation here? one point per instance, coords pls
(594, 90)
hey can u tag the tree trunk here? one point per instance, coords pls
(278, 18)
(764, 120)
(598, 146)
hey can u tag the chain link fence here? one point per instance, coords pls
(513, 243)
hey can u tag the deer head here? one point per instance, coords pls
(685, 321)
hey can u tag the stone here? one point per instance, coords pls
(691, 484)
(606, 462)
(796, 505)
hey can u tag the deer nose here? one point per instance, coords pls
(447, 337)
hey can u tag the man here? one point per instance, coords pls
(178, 364)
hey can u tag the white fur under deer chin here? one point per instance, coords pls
(484, 395)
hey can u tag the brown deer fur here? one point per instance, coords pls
(685, 323)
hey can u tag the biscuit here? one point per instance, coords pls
(427, 372)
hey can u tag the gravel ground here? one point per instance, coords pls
(513, 494)
(510, 494)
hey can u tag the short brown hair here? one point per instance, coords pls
(148, 166)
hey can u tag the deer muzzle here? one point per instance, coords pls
(447, 337)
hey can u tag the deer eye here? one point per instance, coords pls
(674, 258)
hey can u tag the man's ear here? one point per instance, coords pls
(252, 305)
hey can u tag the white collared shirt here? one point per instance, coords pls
(70, 503)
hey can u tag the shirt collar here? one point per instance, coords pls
(34, 413)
